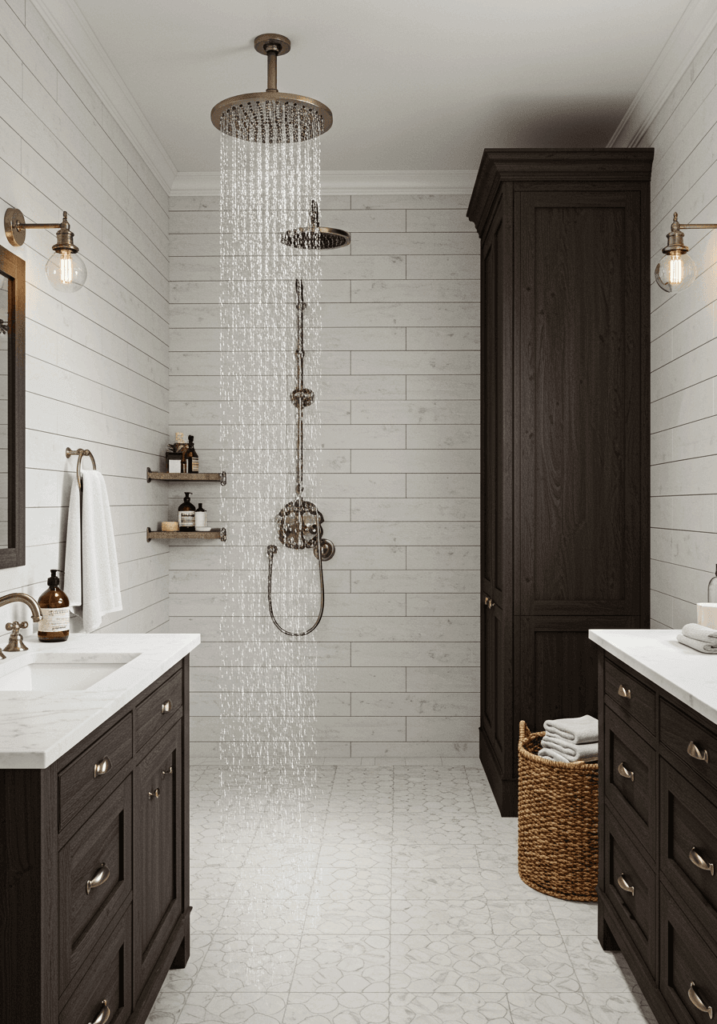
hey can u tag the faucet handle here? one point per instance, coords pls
(15, 642)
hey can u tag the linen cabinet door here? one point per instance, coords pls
(496, 703)
(157, 851)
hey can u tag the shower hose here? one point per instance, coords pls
(271, 551)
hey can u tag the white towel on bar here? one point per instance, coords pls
(697, 645)
(569, 751)
(705, 634)
(91, 571)
(574, 730)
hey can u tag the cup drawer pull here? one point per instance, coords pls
(625, 885)
(699, 755)
(622, 691)
(154, 794)
(166, 707)
(700, 862)
(168, 771)
(99, 878)
(696, 1001)
(102, 767)
(104, 1015)
(625, 772)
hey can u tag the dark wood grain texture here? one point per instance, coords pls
(564, 429)
(14, 554)
(78, 784)
(630, 698)
(157, 710)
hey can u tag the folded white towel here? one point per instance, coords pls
(570, 751)
(91, 571)
(697, 645)
(574, 730)
(705, 634)
(555, 755)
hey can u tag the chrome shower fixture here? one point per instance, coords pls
(299, 521)
(272, 116)
(316, 237)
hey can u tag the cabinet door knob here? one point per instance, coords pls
(104, 1015)
(168, 771)
(625, 772)
(696, 1001)
(622, 691)
(154, 794)
(166, 707)
(625, 885)
(699, 755)
(700, 862)
(99, 878)
(103, 766)
(485, 601)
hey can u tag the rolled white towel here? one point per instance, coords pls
(570, 751)
(574, 730)
(697, 645)
(705, 634)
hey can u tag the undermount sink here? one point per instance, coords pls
(51, 671)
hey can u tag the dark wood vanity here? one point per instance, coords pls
(94, 868)
(657, 899)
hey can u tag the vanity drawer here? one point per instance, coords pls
(680, 734)
(688, 842)
(102, 848)
(630, 772)
(631, 886)
(108, 979)
(688, 964)
(161, 706)
(95, 767)
(633, 700)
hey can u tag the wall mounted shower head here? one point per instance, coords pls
(272, 116)
(316, 237)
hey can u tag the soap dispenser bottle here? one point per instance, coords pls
(712, 589)
(54, 626)
(186, 514)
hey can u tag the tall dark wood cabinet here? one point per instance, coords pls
(565, 277)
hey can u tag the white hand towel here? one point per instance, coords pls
(574, 730)
(571, 751)
(91, 570)
(697, 645)
(705, 634)
(555, 755)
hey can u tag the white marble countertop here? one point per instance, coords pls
(656, 654)
(37, 727)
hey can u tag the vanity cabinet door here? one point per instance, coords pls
(158, 851)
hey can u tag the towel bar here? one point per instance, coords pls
(81, 452)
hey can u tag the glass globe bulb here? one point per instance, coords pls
(66, 271)
(675, 272)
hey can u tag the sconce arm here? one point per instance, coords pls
(710, 227)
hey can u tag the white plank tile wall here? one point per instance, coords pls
(684, 350)
(97, 362)
(398, 479)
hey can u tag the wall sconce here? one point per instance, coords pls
(66, 271)
(677, 270)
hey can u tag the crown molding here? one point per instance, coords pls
(74, 32)
(206, 183)
(679, 51)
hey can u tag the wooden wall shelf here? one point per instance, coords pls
(220, 478)
(189, 535)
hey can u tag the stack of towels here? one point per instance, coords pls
(699, 638)
(570, 739)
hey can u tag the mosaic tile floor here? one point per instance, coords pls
(396, 900)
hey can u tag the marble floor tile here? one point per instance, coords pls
(337, 1008)
(248, 963)
(448, 1008)
(440, 917)
(233, 1008)
(342, 963)
(344, 917)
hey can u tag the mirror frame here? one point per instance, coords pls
(14, 268)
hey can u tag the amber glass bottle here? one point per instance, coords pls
(191, 457)
(54, 627)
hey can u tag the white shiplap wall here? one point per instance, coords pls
(684, 348)
(97, 361)
(398, 647)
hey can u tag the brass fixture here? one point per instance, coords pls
(699, 755)
(104, 1015)
(65, 269)
(81, 452)
(102, 767)
(699, 862)
(16, 642)
(697, 1002)
(625, 885)
(34, 611)
(272, 116)
(625, 772)
(99, 878)
(168, 771)
(678, 270)
(154, 795)
(623, 692)
(316, 237)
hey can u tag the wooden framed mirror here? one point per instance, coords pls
(12, 409)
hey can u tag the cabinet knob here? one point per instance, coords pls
(168, 771)
(166, 707)
(625, 885)
(697, 1002)
(622, 691)
(699, 862)
(625, 772)
(154, 794)
(699, 755)
(104, 1015)
(103, 766)
(99, 878)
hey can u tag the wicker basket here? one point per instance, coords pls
(557, 823)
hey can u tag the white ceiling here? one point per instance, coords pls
(413, 84)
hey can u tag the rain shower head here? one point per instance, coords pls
(272, 116)
(314, 236)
